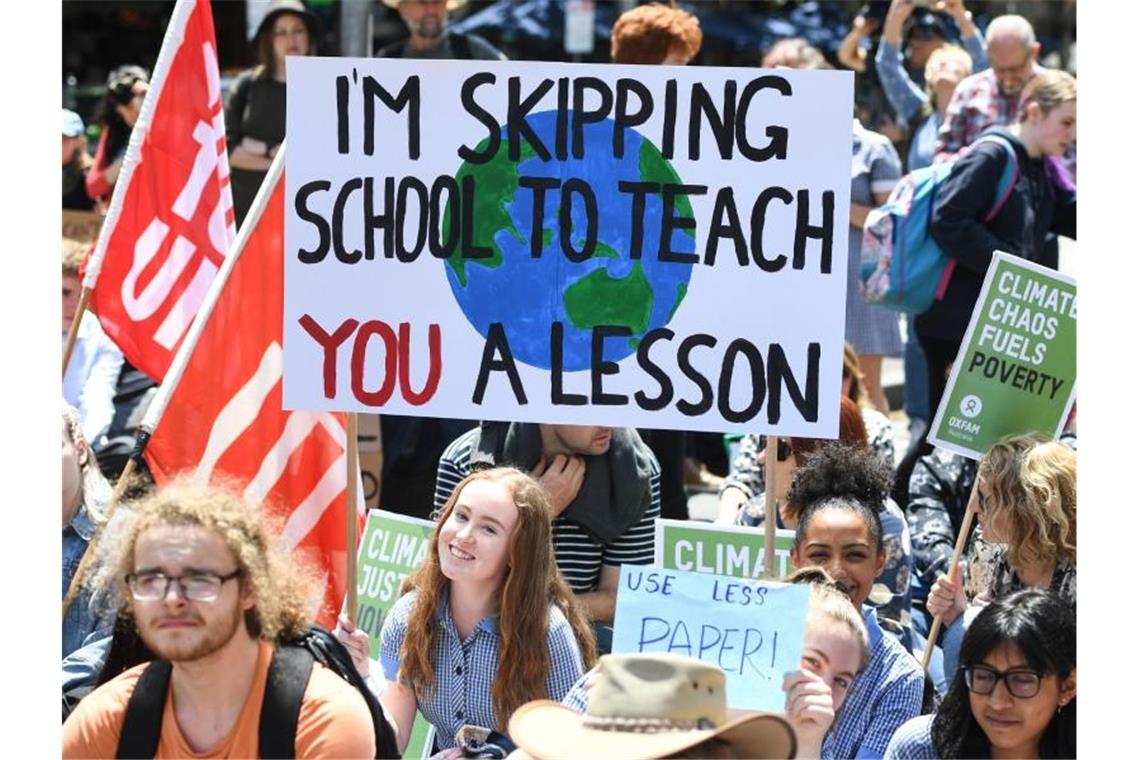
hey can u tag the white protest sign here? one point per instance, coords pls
(754, 630)
(595, 244)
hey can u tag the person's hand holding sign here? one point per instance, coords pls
(810, 709)
(355, 641)
(561, 476)
(947, 596)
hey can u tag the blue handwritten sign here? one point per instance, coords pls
(753, 630)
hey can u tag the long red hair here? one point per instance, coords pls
(531, 585)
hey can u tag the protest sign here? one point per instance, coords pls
(393, 546)
(624, 245)
(732, 550)
(753, 630)
(1016, 370)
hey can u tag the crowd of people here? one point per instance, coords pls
(183, 636)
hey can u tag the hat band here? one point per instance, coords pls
(646, 725)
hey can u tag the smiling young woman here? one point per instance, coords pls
(1015, 694)
(493, 625)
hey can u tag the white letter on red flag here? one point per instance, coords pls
(171, 220)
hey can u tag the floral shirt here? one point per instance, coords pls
(1003, 579)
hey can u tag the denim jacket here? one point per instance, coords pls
(83, 618)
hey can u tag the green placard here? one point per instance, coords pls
(1016, 371)
(732, 550)
(393, 546)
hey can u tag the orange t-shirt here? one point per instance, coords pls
(334, 720)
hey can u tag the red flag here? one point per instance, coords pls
(171, 217)
(224, 417)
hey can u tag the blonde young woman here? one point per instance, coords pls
(1026, 502)
(836, 649)
(486, 624)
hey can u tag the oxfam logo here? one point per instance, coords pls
(581, 290)
(970, 406)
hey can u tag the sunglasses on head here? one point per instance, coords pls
(783, 450)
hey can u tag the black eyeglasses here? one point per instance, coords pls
(197, 587)
(1020, 682)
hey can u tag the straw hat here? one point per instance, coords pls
(645, 706)
(451, 4)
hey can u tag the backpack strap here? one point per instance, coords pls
(285, 685)
(142, 722)
(1009, 176)
(1006, 183)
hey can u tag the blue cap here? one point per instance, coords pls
(72, 124)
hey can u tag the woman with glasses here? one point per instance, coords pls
(1026, 502)
(1015, 694)
(486, 623)
(127, 87)
(255, 110)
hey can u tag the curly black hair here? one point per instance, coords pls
(1044, 628)
(837, 470)
(843, 476)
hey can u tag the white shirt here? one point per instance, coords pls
(91, 377)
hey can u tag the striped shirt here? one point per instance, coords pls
(465, 669)
(578, 556)
(883, 697)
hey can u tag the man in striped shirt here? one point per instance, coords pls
(604, 487)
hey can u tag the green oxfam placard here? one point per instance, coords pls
(392, 547)
(733, 550)
(1016, 371)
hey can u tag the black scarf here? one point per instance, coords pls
(615, 491)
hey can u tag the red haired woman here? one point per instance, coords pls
(493, 625)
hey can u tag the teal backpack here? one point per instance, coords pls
(903, 268)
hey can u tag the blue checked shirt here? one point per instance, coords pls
(465, 669)
(883, 697)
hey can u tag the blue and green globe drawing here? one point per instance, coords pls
(526, 294)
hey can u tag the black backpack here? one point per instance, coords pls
(285, 686)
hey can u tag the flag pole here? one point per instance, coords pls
(182, 359)
(770, 506)
(963, 534)
(73, 331)
(353, 459)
